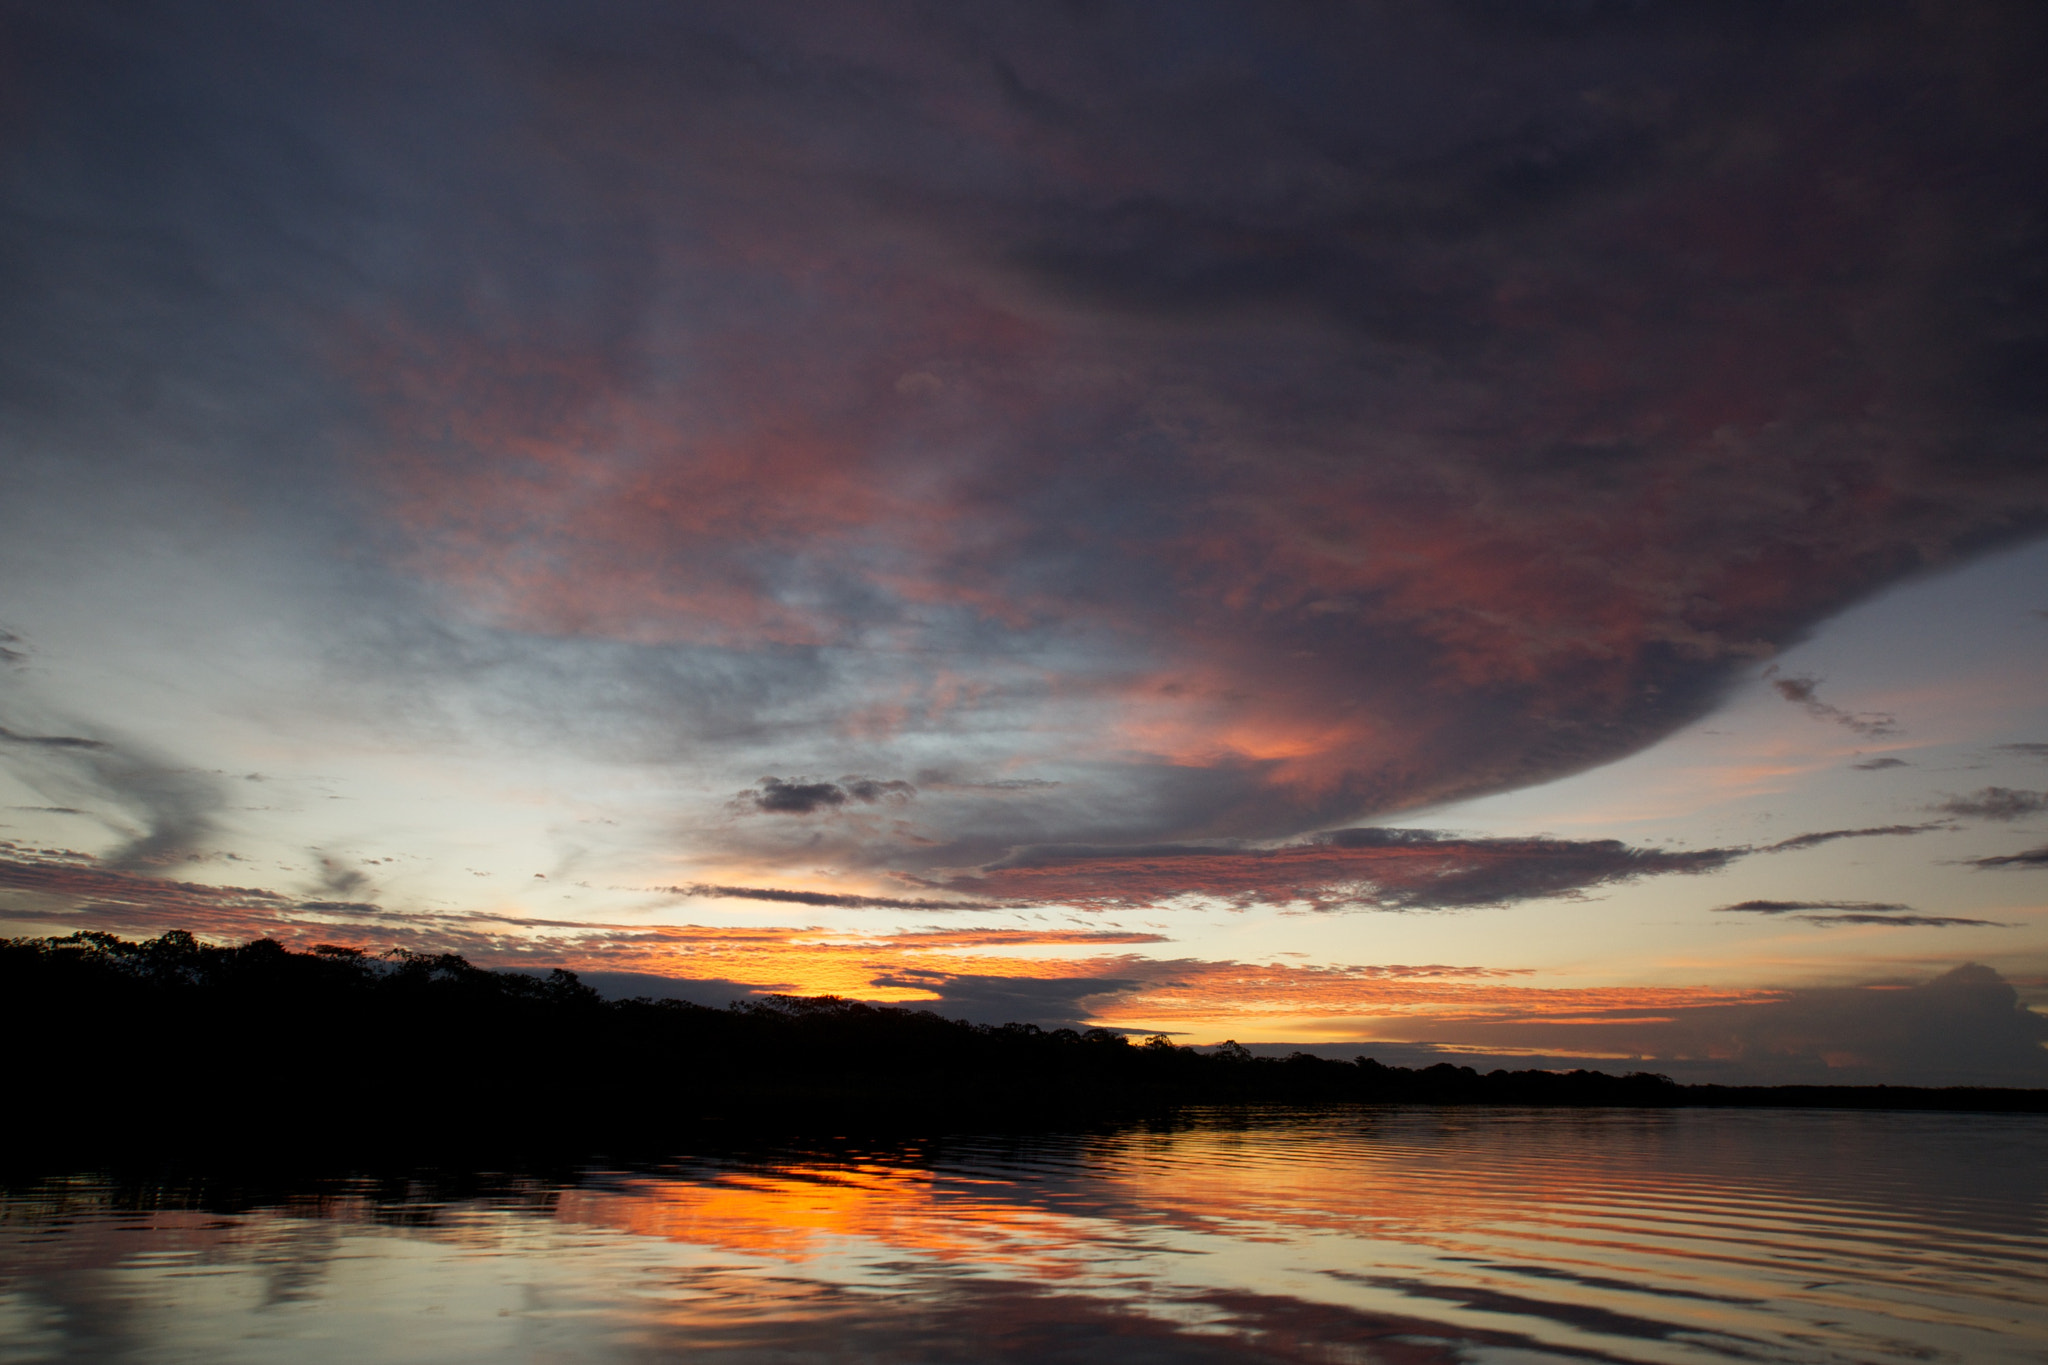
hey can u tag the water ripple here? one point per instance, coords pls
(1403, 1236)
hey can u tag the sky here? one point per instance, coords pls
(1478, 530)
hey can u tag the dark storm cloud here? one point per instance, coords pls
(2032, 858)
(777, 797)
(1388, 869)
(1872, 765)
(1828, 836)
(1274, 414)
(1995, 803)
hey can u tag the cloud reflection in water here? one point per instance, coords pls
(1398, 1236)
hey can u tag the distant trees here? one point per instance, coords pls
(173, 1040)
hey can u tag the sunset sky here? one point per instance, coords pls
(1496, 529)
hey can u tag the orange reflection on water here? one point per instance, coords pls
(798, 1214)
(1409, 1235)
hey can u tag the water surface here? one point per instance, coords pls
(1404, 1236)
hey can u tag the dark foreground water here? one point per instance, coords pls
(1397, 1235)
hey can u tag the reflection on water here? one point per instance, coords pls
(1402, 1236)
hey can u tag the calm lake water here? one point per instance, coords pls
(1403, 1236)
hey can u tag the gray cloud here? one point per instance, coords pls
(337, 878)
(1995, 803)
(777, 797)
(2025, 750)
(1964, 1027)
(1389, 869)
(1788, 907)
(2031, 858)
(1910, 921)
(840, 900)
(712, 991)
(1856, 912)
(1804, 691)
(166, 811)
(1049, 1002)
(1828, 836)
(50, 741)
(1872, 765)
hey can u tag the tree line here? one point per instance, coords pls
(171, 1041)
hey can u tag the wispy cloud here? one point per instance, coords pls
(165, 810)
(8, 736)
(1806, 692)
(2031, 858)
(1828, 836)
(1762, 907)
(1857, 912)
(836, 899)
(1388, 869)
(1995, 803)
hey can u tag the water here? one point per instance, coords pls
(1400, 1236)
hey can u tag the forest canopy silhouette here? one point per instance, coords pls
(171, 1042)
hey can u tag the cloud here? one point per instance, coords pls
(45, 888)
(2033, 857)
(1964, 1027)
(1872, 765)
(1803, 690)
(1388, 869)
(2025, 750)
(1049, 1002)
(945, 782)
(1857, 912)
(1910, 921)
(835, 899)
(1281, 446)
(1828, 836)
(51, 741)
(1256, 424)
(337, 878)
(164, 810)
(777, 797)
(1787, 907)
(1995, 803)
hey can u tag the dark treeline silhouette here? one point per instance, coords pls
(172, 1041)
